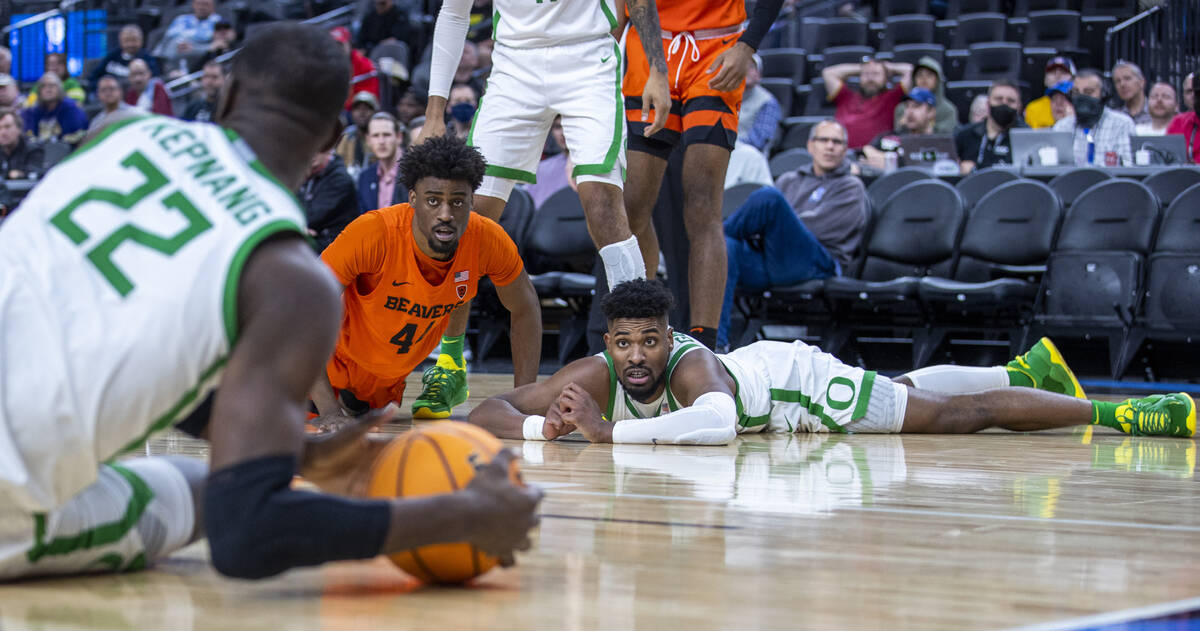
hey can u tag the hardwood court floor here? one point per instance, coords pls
(781, 531)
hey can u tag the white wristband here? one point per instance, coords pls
(532, 428)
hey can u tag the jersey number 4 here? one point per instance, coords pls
(101, 254)
(403, 339)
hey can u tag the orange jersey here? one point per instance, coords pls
(393, 315)
(695, 15)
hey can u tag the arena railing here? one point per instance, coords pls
(1163, 41)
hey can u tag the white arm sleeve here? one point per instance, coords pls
(449, 33)
(710, 420)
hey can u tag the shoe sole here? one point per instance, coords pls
(1057, 358)
(1191, 417)
(425, 413)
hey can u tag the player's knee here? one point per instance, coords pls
(239, 520)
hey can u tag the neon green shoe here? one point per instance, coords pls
(445, 387)
(1158, 415)
(1047, 369)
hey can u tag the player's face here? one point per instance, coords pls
(640, 348)
(441, 209)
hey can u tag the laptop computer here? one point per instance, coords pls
(1027, 143)
(934, 151)
(1169, 149)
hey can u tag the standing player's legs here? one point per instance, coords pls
(703, 184)
(641, 193)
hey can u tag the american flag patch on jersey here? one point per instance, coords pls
(461, 277)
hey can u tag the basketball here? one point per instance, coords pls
(433, 458)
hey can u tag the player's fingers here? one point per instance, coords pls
(660, 119)
(717, 63)
(719, 82)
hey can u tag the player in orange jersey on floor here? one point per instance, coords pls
(406, 268)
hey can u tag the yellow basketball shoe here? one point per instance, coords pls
(1158, 415)
(445, 387)
(1044, 368)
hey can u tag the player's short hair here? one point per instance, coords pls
(638, 298)
(295, 63)
(446, 157)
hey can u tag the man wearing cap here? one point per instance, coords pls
(352, 146)
(927, 73)
(1187, 125)
(1037, 112)
(868, 111)
(920, 111)
(1131, 89)
(363, 77)
(986, 143)
(760, 110)
(1101, 133)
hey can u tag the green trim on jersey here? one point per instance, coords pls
(261, 169)
(864, 397)
(612, 19)
(471, 129)
(618, 127)
(743, 419)
(171, 417)
(612, 384)
(495, 26)
(108, 131)
(510, 174)
(229, 302)
(806, 402)
(101, 535)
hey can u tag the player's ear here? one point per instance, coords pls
(412, 198)
(226, 98)
(606, 339)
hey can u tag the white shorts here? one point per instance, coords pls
(795, 387)
(136, 512)
(527, 88)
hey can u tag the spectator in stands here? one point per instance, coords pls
(352, 146)
(1101, 133)
(57, 63)
(986, 143)
(224, 40)
(379, 187)
(1189, 99)
(147, 92)
(467, 65)
(116, 62)
(1187, 125)
(460, 107)
(5, 60)
(190, 32)
(760, 114)
(554, 172)
(19, 157)
(747, 165)
(1037, 112)
(484, 48)
(411, 105)
(869, 111)
(363, 77)
(979, 109)
(1060, 100)
(1131, 89)
(810, 226)
(1163, 107)
(920, 112)
(212, 78)
(55, 117)
(927, 73)
(387, 23)
(10, 95)
(329, 198)
(108, 92)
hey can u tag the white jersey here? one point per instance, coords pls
(118, 287)
(534, 23)
(622, 407)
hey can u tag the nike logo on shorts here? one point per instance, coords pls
(395, 284)
(605, 59)
(726, 41)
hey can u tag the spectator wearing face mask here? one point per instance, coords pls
(1101, 133)
(461, 109)
(986, 143)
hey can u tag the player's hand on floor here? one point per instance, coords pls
(580, 409)
(555, 426)
(733, 64)
(656, 96)
(338, 461)
(502, 511)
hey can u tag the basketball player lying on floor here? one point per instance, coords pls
(160, 262)
(652, 385)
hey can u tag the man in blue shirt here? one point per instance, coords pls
(55, 117)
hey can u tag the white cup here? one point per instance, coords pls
(1142, 157)
(1048, 156)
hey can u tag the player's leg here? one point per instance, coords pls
(703, 184)
(642, 183)
(1042, 367)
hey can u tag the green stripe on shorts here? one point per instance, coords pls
(614, 148)
(806, 402)
(101, 535)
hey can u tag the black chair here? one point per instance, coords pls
(981, 182)
(883, 188)
(816, 104)
(1093, 282)
(978, 28)
(991, 61)
(781, 89)
(1053, 29)
(845, 55)
(517, 215)
(784, 62)
(1119, 9)
(962, 93)
(1093, 29)
(838, 32)
(1169, 183)
(488, 314)
(1069, 185)
(1002, 256)
(796, 130)
(53, 152)
(906, 29)
(958, 8)
(1173, 286)
(893, 8)
(1022, 8)
(1033, 69)
(560, 249)
(735, 196)
(912, 53)
(1180, 230)
(914, 236)
(789, 161)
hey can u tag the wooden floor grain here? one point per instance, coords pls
(783, 531)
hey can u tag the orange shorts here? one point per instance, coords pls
(699, 114)
(347, 376)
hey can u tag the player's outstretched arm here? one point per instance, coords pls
(530, 411)
(288, 317)
(656, 95)
(525, 326)
(449, 33)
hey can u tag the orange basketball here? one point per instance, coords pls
(432, 458)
